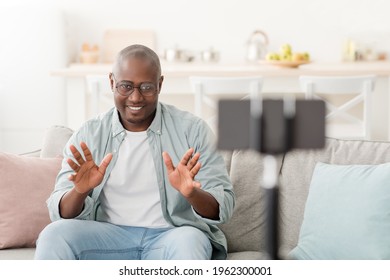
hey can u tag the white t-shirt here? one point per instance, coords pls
(131, 195)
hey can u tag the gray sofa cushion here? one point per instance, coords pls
(17, 254)
(247, 255)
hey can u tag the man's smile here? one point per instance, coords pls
(134, 108)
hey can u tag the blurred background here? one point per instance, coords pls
(40, 37)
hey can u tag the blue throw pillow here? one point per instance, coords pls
(347, 214)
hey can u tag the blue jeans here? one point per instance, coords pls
(83, 239)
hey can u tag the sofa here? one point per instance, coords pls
(333, 202)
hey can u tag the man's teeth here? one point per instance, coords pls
(134, 108)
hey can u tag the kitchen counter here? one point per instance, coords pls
(175, 70)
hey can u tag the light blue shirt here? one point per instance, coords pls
(173, 131)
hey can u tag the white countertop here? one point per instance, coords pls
(380, 68)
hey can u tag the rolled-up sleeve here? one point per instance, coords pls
(225, 200)
(213, 175)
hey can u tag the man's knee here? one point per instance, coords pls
(190, 243)
(53, 241)
(190, 233)
(52, 231)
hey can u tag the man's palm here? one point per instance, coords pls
(87, 174)
(182, 176)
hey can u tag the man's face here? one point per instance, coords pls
(136, 110)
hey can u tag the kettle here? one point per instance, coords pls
(257, 46)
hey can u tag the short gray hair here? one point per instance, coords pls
(137, 51)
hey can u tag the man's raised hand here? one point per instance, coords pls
(87, 174)
(182, 177)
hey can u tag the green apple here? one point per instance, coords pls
(306, 56)
(286, 49)
(272, 56)
(286, 57)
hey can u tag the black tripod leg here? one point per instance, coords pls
(271, 212)
(271, 198)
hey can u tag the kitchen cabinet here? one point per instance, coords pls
(277, 82)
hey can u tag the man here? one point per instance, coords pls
(141, 181)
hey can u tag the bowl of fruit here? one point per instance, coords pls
(286, 57)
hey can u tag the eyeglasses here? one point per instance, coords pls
(146, 88)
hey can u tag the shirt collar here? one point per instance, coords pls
(117, 127)
(155, 126)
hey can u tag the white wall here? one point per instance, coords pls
(319, 26)
(32, 43)
(35, 38)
